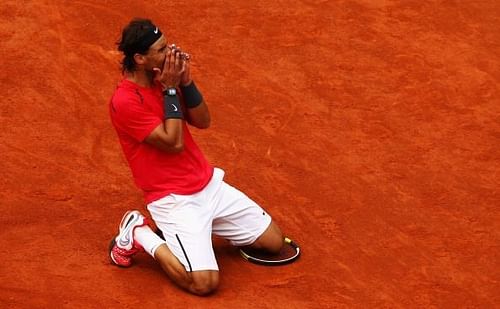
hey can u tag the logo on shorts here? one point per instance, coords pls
(175, 108)
(156, 30)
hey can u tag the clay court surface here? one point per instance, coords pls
(368, 129)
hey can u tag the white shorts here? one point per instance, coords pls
(188, 221)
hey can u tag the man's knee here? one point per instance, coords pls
(204, 282)
(196, 282)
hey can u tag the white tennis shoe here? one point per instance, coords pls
(123, 246)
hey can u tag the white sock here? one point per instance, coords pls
(147, 239)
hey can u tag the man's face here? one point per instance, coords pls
(156, 54)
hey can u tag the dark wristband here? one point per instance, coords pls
(172, 107)
(191, 94)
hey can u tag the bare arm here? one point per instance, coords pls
(167, 136)
(199, 116)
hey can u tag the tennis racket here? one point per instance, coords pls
(289, 253)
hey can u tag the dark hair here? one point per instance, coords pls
(131, 41)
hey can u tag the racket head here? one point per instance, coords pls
(289, 253)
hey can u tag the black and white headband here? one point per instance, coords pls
(147, 40)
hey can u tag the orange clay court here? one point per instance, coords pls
(369, 130)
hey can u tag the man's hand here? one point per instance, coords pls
(185, 57)
(173, 69)
(186, 76)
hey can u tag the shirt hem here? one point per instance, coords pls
(152, 197)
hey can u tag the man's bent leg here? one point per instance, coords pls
(243, 222)
(197, 282)
(186, 255)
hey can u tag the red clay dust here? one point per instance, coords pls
(368, 129)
